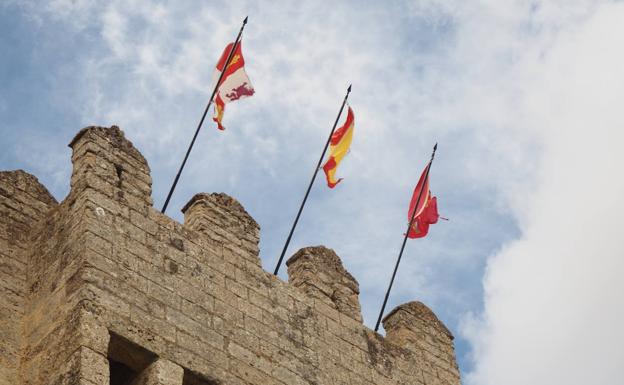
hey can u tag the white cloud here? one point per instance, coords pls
(553, 304)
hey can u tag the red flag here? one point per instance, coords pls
(427, 212)
(423, 197)
(429, 216)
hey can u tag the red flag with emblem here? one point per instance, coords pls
(235, 83)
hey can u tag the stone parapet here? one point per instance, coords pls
(110, 291)
(415, 327)
(108, 162)
(224, 221)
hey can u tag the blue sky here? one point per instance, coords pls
(493, 82)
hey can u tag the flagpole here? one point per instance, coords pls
(385, 301)
(305, 198)
(201, 121)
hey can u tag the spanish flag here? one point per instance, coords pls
(235, 83)
(339, 147)
(427, 211)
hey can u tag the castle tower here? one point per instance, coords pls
(104, 289)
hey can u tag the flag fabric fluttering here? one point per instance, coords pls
(338, 148)
(235, 83)
(427, 211)
(429, 216)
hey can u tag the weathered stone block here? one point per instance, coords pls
(23, 202)
(161, 372)
(225, 222)
(415, 327)
(106, 161)
(318, 271)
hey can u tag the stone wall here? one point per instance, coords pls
(23, 203)
(118, 293)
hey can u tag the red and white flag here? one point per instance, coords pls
(235, 83)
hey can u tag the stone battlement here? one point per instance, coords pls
(104, 289)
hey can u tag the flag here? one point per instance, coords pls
(429, 216)
(235, 83)
(427, 211)
(338, 147)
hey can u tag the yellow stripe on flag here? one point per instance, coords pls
(339, 147)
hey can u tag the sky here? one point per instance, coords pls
(523, 97)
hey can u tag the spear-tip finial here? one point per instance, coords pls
(435, 147)
(349, 89)
(245, 21)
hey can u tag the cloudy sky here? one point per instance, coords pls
(524, 97)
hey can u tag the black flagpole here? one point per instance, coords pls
(188, 151)
(383, 307)
(305, 198)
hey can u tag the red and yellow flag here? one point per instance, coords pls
(427, 211)
(339, 147)
(235, 83)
